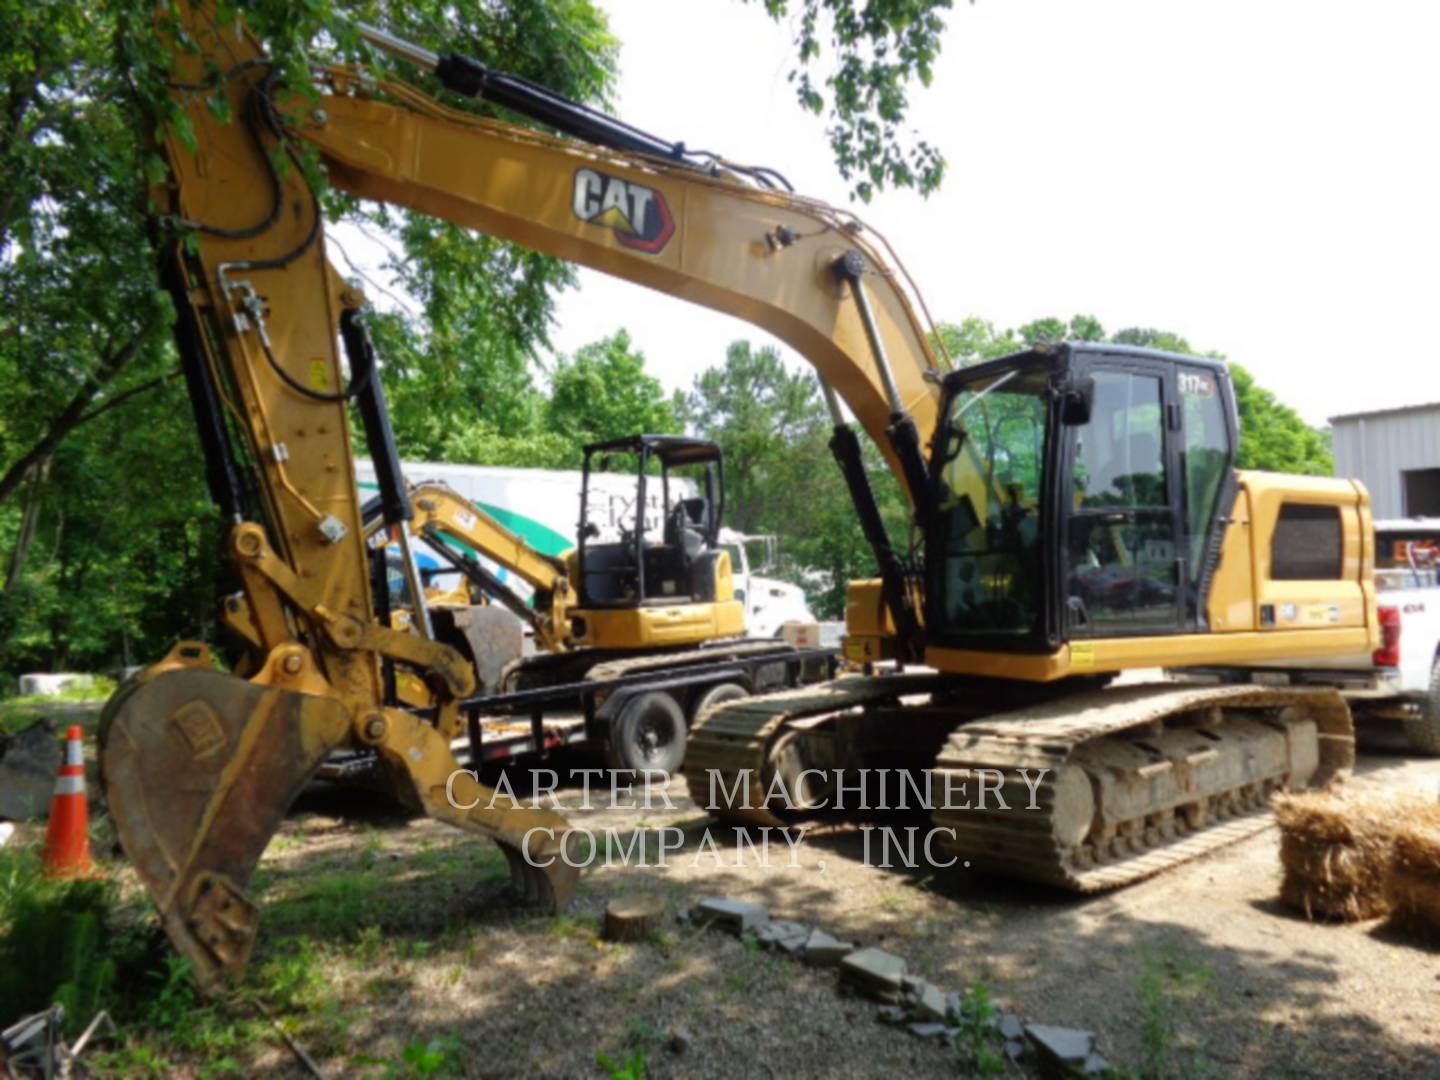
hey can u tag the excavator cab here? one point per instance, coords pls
(1075, 495)
(1079, 519)
(661, 546)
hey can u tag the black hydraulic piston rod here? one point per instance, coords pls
(901, 432)
(468, 76)
(845, 446)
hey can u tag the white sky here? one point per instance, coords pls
(1259, 177)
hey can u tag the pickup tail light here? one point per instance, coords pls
(1388, 655)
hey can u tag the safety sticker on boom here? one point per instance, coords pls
(638, 214)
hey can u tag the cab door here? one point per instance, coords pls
(1122, 572)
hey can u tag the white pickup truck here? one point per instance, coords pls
(1405, 684)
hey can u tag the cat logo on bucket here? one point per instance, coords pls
(638, 214)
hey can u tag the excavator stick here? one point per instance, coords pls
(200, 767)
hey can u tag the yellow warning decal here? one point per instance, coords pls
(319, 375)
(1082, 654)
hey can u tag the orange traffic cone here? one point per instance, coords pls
(67, 837)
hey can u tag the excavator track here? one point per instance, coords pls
(739, 747)
(1127, 782)
(1139, 779)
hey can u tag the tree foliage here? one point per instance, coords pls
(878, 48)
(773, 426)
(103, 567)
(602, 392)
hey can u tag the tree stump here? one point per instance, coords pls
(632, 919)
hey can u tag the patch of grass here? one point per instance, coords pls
(18, 713)
(58, 943)
(368, 944)
(978, 1041)
(335, 904)
(439, 1057)
(372, 849)
(569, 927)
(643, 1035)
(290, 979)
(1166, 983)
(631, 1069)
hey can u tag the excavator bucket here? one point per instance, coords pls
(199, 768)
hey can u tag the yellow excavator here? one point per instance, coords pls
(650, 606)
(1076, 512)
(639, 591)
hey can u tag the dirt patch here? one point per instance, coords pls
(390, 948)
(1199, 971)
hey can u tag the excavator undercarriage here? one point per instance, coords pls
(1089, 790)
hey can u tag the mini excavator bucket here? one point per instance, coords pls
(199, 768)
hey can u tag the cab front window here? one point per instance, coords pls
(986, 549)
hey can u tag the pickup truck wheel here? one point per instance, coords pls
(649, 734)
(1422, 730)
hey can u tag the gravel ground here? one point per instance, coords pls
(1196, 972)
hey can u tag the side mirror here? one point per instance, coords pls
(1077, 397)
(591, 530)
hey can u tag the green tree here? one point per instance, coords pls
(757, 411)
(780, 478)
(87, 397)
(604, 392)
(1273, 437)
(88, 400)
(878, 49)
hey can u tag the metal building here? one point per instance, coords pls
(1396, 452)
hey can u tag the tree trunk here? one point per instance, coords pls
(75, 413)
(28, 521)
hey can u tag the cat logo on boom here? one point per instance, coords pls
(638, 214)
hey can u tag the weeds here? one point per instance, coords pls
(1163, 985)
(977, 1041)
(57, 943)
(643, 1035)
(437, 1057)
(632, 1069)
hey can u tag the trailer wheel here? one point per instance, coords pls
(649, 734)
(717, 695)
(1422, 729)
